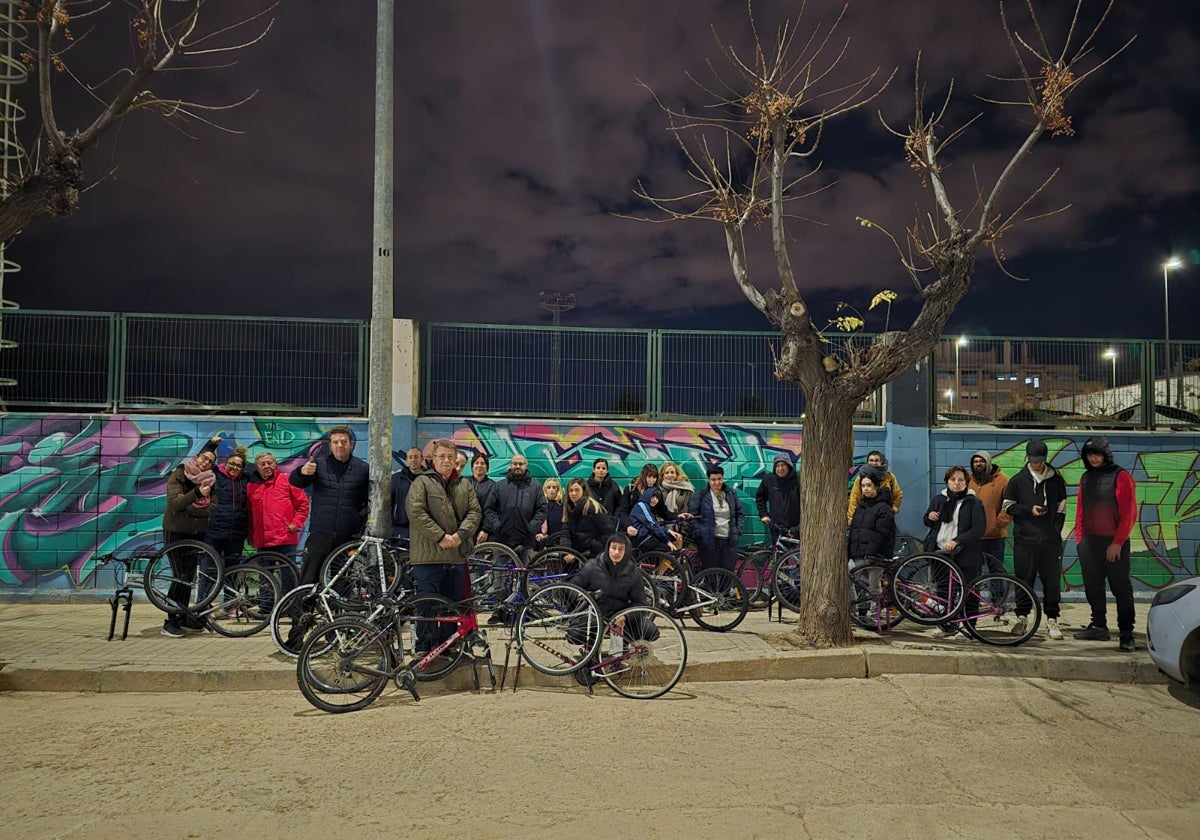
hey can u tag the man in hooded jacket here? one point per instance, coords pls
(778, 496)
(516, 508)
(989, 482)
(1036, 499)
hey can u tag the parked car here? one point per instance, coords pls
(1164, 415)
(1173, 631)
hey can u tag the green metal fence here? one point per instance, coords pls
(131, 362)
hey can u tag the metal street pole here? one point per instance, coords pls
(1167, 328)
(379, 406)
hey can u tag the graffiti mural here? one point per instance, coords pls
(74, 487)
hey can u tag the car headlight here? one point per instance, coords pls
(1172, 594)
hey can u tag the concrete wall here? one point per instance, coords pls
(72, 486)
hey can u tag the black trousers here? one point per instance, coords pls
(183, 568)
(316, 548)
(1040, 560)
(1096, 570)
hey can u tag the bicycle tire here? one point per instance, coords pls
(558, 629)
(280, 565)
(669, 577)
(557, 560)
(928, 589)
(356, 574)
(421, 615)
(785, 580)
(289, 609)
(751, 569)
(865, 603)
(643, 669)
(723, 602)
(243, 606)
(998, 597)
(344, 665)
(160, 574)
(490, 567)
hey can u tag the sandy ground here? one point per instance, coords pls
(908, 756)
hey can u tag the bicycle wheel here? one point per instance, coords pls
(359, 573)
(669, 577)
(344, 665)
(751, 571)
(283, 567)
(991, 609)
(785, 580)
(644, 659)
(719, 600)
(866, 609)
(558, 629)
(186, 566)
(928, 589)
(430, 619)
(555, 563)
(243, 605)
(299, 607)
(490, 566)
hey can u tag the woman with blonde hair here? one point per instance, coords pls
(552, 490)
(677, 489)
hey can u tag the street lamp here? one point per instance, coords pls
(958, 345)
(950, 396)
(1167, 267)
(1111, 354)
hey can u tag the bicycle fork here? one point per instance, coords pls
(122, 598)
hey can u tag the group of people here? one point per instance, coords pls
(969, 520)
(445, 511)
(227, 505)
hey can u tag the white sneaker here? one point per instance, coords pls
(1018, 628)
(1052, 629)
(941, 633)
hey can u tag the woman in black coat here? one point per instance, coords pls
(585, 520)
(956, 521)
(873, 528)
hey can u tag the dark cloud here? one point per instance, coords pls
(523, 127)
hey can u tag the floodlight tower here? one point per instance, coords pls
(12, 156)
(557, 303)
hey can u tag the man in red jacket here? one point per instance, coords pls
(278, 510)
(1105, 513)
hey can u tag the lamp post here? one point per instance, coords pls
(950, 396)
(958, 345)
(1111, 355)
(1167, 267)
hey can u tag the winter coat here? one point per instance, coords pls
(402, 480)
(779, 498)
(228, 522)
(339, 496)
(1107, 502)
(889, 481)
(482, 489)
(515, 510)
(607, 493)
(437, 507)
(181, 515)
(1027, 489)
(589, 528)
(991, 495)
(972, 520)
(643, 518)
(619, 585)
(629, 501)
(274, 504)
(705, 523)
(873, 529)
(677, 495)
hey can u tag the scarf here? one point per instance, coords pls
(949, 518)
(201, 478)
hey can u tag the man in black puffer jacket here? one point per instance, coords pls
(516, 508)
(339, 500)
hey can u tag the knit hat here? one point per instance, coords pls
(1035, 451)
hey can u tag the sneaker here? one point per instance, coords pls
(1020, 625)
(1127, 644)
(1092, 633)
(170, 628)
(497, 618)
(941, 632)
(1052, 629)
(193, 622)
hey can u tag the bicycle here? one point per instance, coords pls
(645, 653)
(756, 568)
(928, 589)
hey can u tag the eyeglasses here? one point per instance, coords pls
(444, 457)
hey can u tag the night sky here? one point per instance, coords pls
(521, 131)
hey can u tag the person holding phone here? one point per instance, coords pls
(1036, 499)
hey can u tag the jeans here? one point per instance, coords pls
(444, 579)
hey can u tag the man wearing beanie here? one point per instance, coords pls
(989, 482)
(1105, 513)
(1036, 499)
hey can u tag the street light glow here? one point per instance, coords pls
(962, 341)
(1173, 263)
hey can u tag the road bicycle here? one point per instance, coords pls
(928, 589)
(643, 653)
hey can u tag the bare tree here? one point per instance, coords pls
(748, 153)
(164, 36)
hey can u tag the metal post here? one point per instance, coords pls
(379, 402)
(1167, 329)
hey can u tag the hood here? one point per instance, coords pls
(987, 460)
(618, 536)
(876, 474)
(1099, 444)
(513, 478)
(882, 497)
(784, 459)
(647, 493)
(1047, 473)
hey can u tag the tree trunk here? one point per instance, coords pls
(828, 452)
(52, 193)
